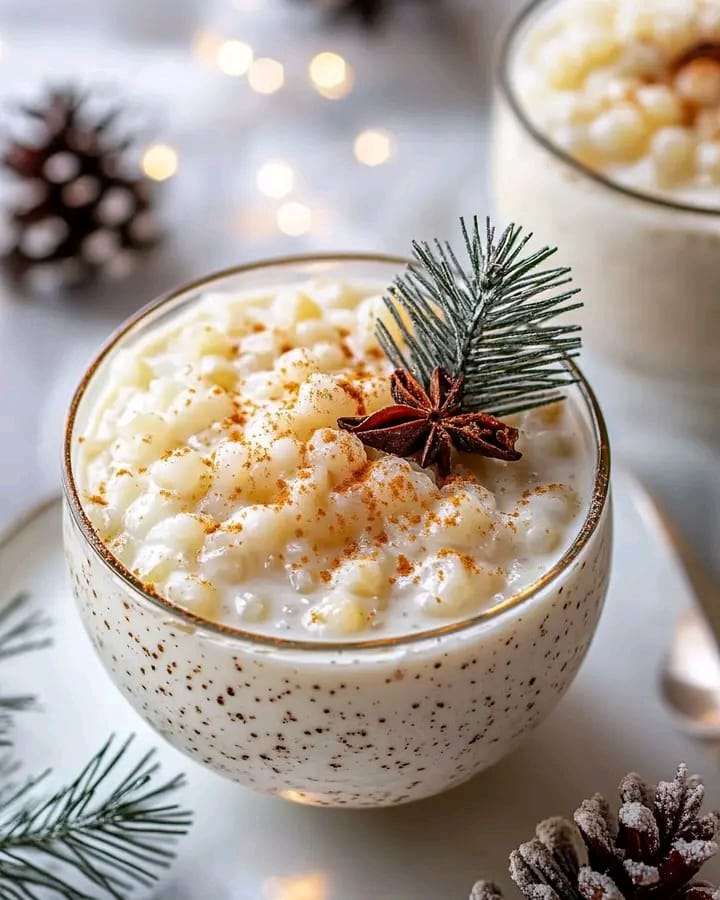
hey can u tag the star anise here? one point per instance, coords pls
(426, 425)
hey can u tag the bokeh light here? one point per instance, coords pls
(266, 75)
(331, 75)
(373, 147)
(275, 179)
(294, 219)
(234, 57)
(310, 886)
(159, 161)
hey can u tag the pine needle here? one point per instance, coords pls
(18, 634)
(105, 832)
(487, 320)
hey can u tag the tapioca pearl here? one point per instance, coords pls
(192, 593)
(452, 585)
(604, 88)
(231, 317)
(660, 105)
(293, 306)
(338, 614)
(575, 141)
(154, 562)
(198, 340)
(230, 467)
(185, 533)
(328, 357)
(544, 518)
(620, 134)
(105, 520)
(122, 488)
(673, 155)
(295, 366)
(224, 558)
(339, 453)
(286, 455)
(708, 17)
(149, 509)
(708, 159)
(261, 386)
(335, 294)
(366, 577)
(640, 60)
(699, 82)
(566, 59)
(314, 331)
(342, 319)
(162, 391)
(133, 422)
(251, 608)
(262, 346)
(262, 529)
(321, 401)
(566, 108)
(367, 315)
(462, 519)
(376, 392)
(142, 448)
(672, 29)
(183, 471)
(218, 370)
(195, 409)
(130, 369)
(122, 547)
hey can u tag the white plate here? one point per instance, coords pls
(248, 847)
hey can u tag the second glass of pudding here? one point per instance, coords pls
(307, 616)
(607, 143)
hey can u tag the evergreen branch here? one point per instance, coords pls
(18, 634)
(486, 321)
(111, 843)
(18, 637)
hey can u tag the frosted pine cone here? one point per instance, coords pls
(84, 215)
(654, 850)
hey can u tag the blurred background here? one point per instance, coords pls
(253, 128)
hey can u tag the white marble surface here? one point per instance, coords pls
(248, 847)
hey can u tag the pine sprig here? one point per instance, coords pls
(111, 833)
(18, 634)
(487, 320)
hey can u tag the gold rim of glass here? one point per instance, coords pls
(597, 502)
(504, 79)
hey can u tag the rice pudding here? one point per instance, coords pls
(414, 630)
(607, 141)
(214, 470)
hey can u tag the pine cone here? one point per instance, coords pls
(654, 850)
(85, 216)
(369, 12)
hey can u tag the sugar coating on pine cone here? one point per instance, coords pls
(655, 847)
(214, 470)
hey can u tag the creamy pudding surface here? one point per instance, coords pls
(630, 88)
(213, 469)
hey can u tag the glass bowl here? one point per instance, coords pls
(648, 265)
(359, 723)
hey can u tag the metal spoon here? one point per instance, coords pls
(690, 679)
